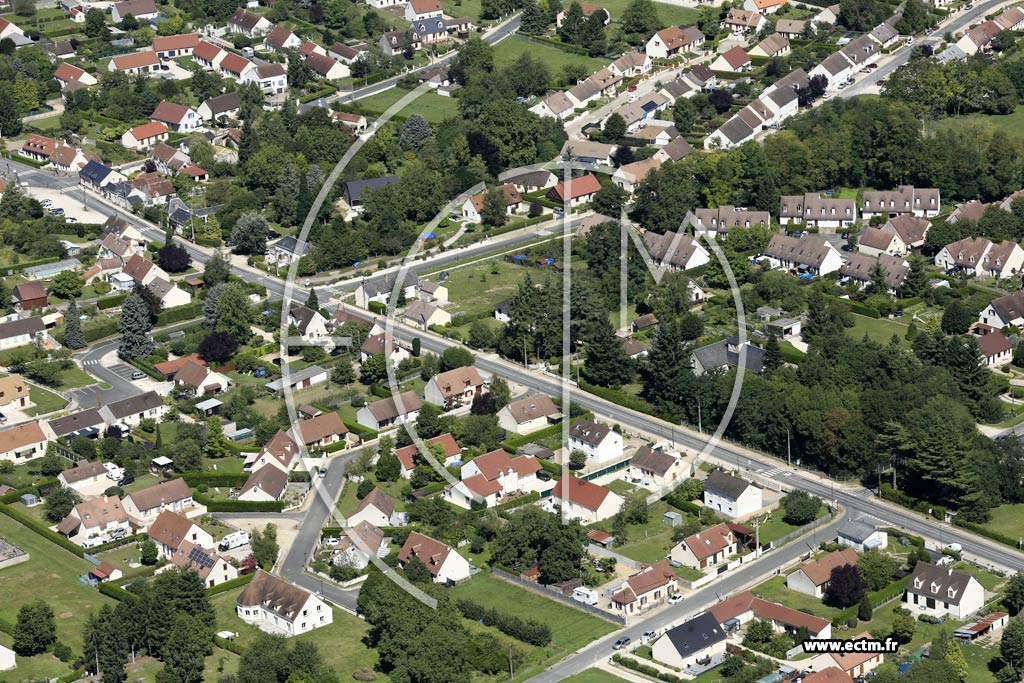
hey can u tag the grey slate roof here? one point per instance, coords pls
(718, 355)
(589, 432)
(696, 635)
(721, 484)
(134, 405)
(354, 188)
(856, 530)
(937, 582)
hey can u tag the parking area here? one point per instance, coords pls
(74, 209)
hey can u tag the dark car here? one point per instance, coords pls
(125, 480)
(543, 476)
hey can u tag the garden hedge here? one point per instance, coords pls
(242, 580)
(41, 529)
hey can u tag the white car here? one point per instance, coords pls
(675, 598)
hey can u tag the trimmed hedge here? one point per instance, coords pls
(194, 479)
(646, 669)
(213, 505)
(299, 477)
(380, 391)
(511, 444)
(510, 505)
(529, 631)
(110, 545)
(877, 598)
(242, 580)
(986, 532)
(364, 433)
(116, 592)
(175, 315)
(146, 368)
(225, 644)
(41, 529)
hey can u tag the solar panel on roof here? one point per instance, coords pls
(200, 557)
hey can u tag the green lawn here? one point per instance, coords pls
(44, 401)
(464, 8)
(479, 287)
(570, 628)
(433, 107)
(74, 378)
(978, 659)
(987, 579)
(774, 590)
(340, 643)
(51, 574)
(878, 330)
(776, 528)
(510, 49)
(219, 663)
(648, 542)
(1007, 519)
(1011, 123)
(49, 123)
(670, 15)
(594, 676)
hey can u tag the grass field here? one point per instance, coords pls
(45, 401)
(51, 574)
(570, 628)
(510, 49)
(431, 106)
(776, 528)
(340, 643)
(979, 658)
(74, 378)
(670, 15)
(878, 330)
(594, 676)
(1007, 519)
(479, 287)
(648, 542)
(1013, 123)
(774, 590)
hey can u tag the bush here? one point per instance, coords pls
(528, 631)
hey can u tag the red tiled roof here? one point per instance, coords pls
(580, 492)
(236, 64)
(183, 41)
(579, 187)
(135, 60)
(148, 130)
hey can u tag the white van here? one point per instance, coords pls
(233, 540)
(588, 596)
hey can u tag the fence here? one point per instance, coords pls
(557, 595)
(801, 531)
(600, 551)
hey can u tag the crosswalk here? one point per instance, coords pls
(776, 471)
(91, 362)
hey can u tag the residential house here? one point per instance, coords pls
(588, 152)
(862, 269)
(677, 150)
(249, 24)
(170, 529)
(827, 16)
(272, 78)
(773, 46)
(741, 21)
(425, 315)
(169, 47)
(790, 28)
(862, 536)
(95, 520)
(494, 478)
(432, 292)
(265, 485)
(23, 442)
(814, 577)
(628, 176)
(281, 39)
(655, 469)
(656, 135)
(195, 379)
(646, 589)
(982, 257)
(135, 63)
(875, 242)
(29, 295)
(813, 210)
(21, 331)
(970, 211)
(675, 251)
(357, 122)
(850, 664)
(145, 505)
(378, 343)
(995, 349)
(356, 545)
(273, 605)
(1004, 311)
(67, 74)
(454, 387)
(701, 638)
(529, 414)
(600, 443)
(743, 608)
(208, 55)
(906, 199)
(235, 67)
(577, 191)
(941, 591)
(348, 53)
(584, 500)
(633, 63)
(169, 294)
(718, 222)
(588, 11)
(377, 508)
(836, 68)
(764, 6)
(326, 67)
(226, 105)
(287, 251)
(733, 60)
(143, 10)
(394, 42)
(37, 147)
(84, 476)
(641, 112)
(708, 548)
(322, 431)
(280, 452)
(727, 354)
(450, 454)
(442, 561)
(132, 410)
(176, 117)
(733, 497)
(390, 412)
(556, 105)
(354, 189)
(299, 379)
(142, 270)
(861, 51)
(675, 40)
(417, 10)
(145, 136)
(979, 38)
(730, 134)
(808, 254)
(212, 568)
(311, 325)
(473, 208)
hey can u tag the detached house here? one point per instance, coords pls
(280, 452)
(272, 78)
(249, 24)
(390, 412)
(718, 222)
(529, 414)
(980, 256)
(730, 496)
(143, 10)
(577, 191)
(273, 605)
(425, 315)
(176, 117)
(378, 509)
(733, 60)
(450, 454)
(646, 589)
(675, 40)
(1005, 311)
(810, 253)
(941, 591)
(583, 500)
(743, 608)
(132, 410)
(493, 478)
(775, 45)
(23, 442)
(95, 521)
(84, 475)
(452, 388)
(69, 73)
(995, 349)
(144, 136)
(708, 548)
(850, 665)
(322, 431)
(281, 39)
(875, 242)
(813, 578)
(170, 529)
(357, 545)
(675, 251)
(327, 67)
(145, 505)
(208, 55)
(861, 268)
(415, 10)
(212, 568)
(195, 379)
(264, 486)
(655, 469)
(699, 639)
(235, 67)
(444, 564)
(473, 208)
(741, 21)
(135, 63)
(599, 442)
(633, 63)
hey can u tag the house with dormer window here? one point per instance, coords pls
(273, 605)
(444, 564)
(942, 591)
(982, 257)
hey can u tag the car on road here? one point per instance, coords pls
(322, 472)
(649, 635)
(57, 212)
(70, 219)
(872, 66)
(675, 598)
(632, 88)
(3, 418)
(621, 644)
(955, 547)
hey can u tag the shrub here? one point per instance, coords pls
(529, 631)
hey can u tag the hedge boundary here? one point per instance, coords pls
(242, 580)
(42, 530)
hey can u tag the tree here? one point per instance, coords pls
(614, 128)
(494, 211)
(799, 508)
(135, 327)
(216, 443)
(185, 650)
(607, 364)
(844, 588)
(684, 114)
(1011, 646)
(312, 301)
(250, 234)
(216, 270)
(609, 200)
(864, 609)
(264, 546)
(500, 391)
(772, 354)
(903, 627)
(95, 24)
(36, 629)
(482, 335)
(577, 459)
(149, 553)
(1013, 594)
(67, 285)
(956, 318)
(218, 347)
(389, 467)
(343, 374)
(73, 336)
(59, 503)
(415, 132)
(534, 21)
(456, 357)
(234, 313)
(572, 22)
(916, 281)
(877, 569)
(374, 369)
(416, 571)
(639, 20)
(174, 258)
(188, 457)
(955, 658)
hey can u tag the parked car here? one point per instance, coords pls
(649, 635)
(125, 480)
(138, 374)
(621, 644)
(675, 598)
(632, 88)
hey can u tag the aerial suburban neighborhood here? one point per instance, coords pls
(443, 341)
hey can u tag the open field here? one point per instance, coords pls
(1007, 519)
(431, 106)
(670, 15)
(74, 378)
(478, 288)
(510, 49)
(595, 676)
(340, 643)
(775, 590)
(570, 628)
(1012, 124)
(776, 528)
(878, 330)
